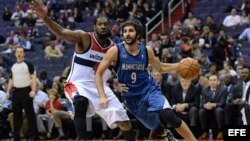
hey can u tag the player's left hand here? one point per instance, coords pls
(122, 87)
(103, 102)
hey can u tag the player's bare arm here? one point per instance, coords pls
(159, 66)
(79, 37)
(109, 58)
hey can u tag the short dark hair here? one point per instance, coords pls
(101, 16)
(135, 23)
(19, 47)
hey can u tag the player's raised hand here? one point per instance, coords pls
(39, 8)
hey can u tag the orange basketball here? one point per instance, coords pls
(188, 68)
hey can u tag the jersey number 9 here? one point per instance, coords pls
(133, 77)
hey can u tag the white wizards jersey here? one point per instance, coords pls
(84, 65)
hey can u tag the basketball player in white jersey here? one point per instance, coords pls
(81, 88)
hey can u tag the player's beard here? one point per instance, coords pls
(106, 35)
(133, 40)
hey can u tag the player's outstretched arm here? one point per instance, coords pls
(76, 36)
(159, 66)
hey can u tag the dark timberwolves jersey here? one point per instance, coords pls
(132, 70)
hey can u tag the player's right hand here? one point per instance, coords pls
(103, 102)
(39, 8)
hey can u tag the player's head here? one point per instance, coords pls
(131, 31)
(101, 26)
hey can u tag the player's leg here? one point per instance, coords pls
(180, 126)
(152, 121)
(127, 130)
(81, 106)
(115, 115)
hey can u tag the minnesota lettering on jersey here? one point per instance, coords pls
(133, 66)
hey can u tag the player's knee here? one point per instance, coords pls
(169, 116)
(124, 125)
(81, 105)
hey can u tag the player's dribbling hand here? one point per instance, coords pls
(103, 102)
(39, 8)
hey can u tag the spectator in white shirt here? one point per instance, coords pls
(232, 20)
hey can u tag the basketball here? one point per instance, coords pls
(188, 68)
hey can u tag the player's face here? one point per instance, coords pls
(102, 27)
(129, 35)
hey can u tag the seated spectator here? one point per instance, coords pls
(196, 50)
(59, 43)
(190, 21)
(17, 16)
(211, 24)
(232, 110)
(186, 49)
(211, 112)
(11, 41)
(29, 20)
(24, 43)
(232, 20)
(52, 105)
(186, 102)
(6, 14)
(240, 99)
(246, 101)
(52, 51)
(32, 33)
(60, 115)
(166, 57)
(77, 15)
(210, 41)
(43, 78)
(245, 34)
(245, 18)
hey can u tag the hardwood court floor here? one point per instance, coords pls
(109, 140)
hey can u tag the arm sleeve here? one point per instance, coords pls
(30, 67)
